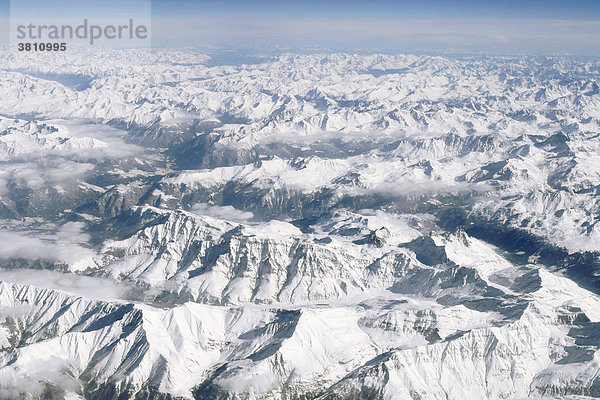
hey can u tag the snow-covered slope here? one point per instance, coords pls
(309, 226)
(479, 329)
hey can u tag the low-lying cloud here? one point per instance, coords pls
(86, 286)
(222, 212)
(65, 250)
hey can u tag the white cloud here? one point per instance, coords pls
(72, 232)
(23, 245)
(86, 286)
(222, 212)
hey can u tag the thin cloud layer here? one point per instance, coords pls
(66, 250)
(222, 212)
(474, 35)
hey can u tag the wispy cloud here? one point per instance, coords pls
(222, 212)
(65, 250)
(89, 287)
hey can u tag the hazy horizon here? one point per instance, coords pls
(486, 27)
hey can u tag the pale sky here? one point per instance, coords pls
(468, 26)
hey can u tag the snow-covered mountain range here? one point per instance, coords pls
(305, 227)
